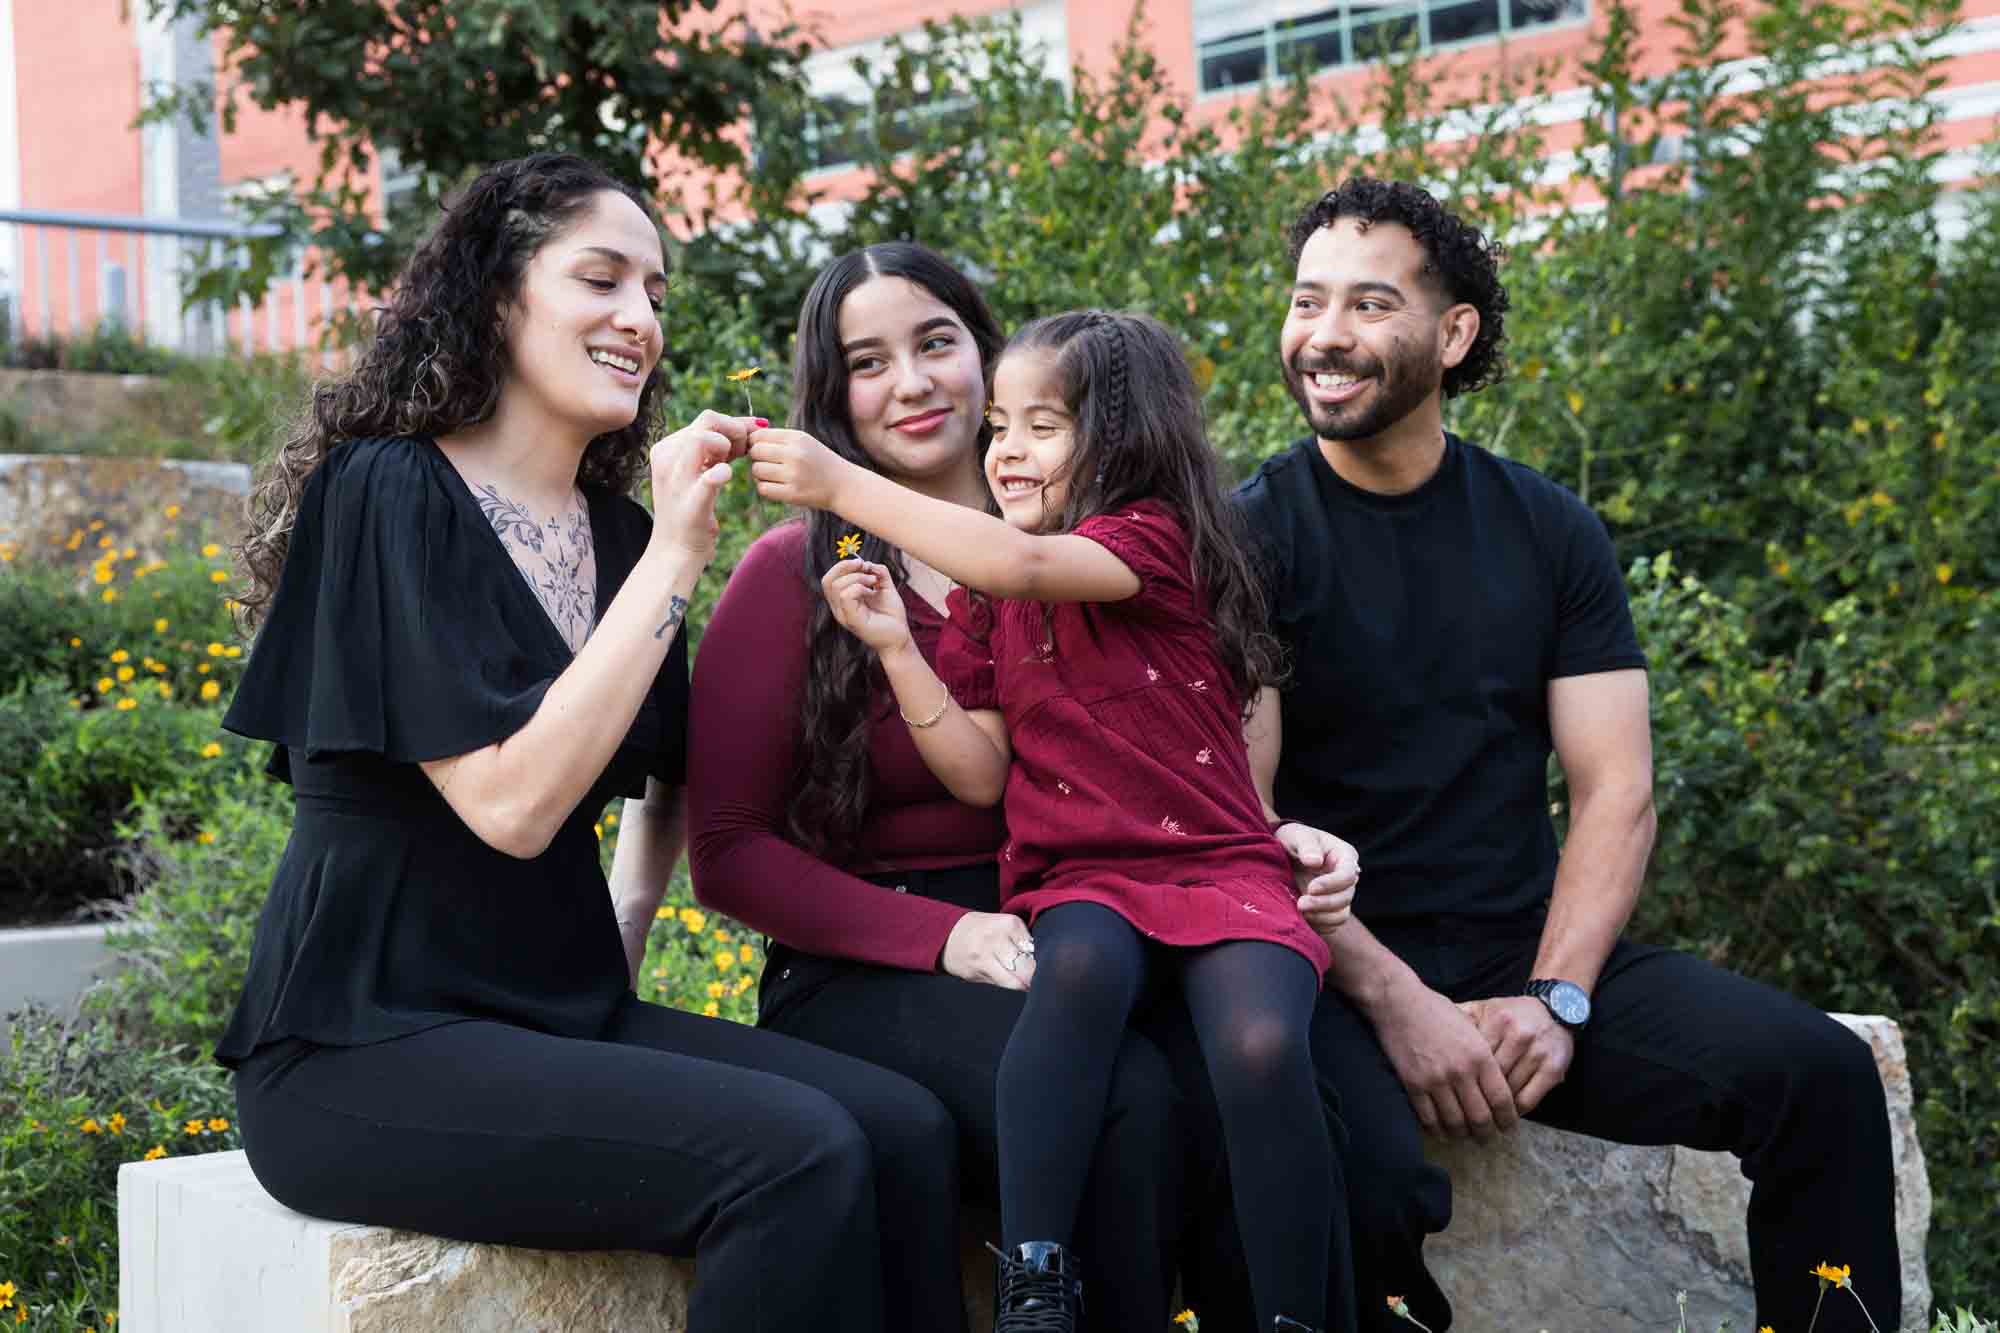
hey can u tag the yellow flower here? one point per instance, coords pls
(716, 990)
(712, 1009)
(111, 594)
(103, 543)
(744, 981)
(156, 1152)
(6, 1294)
(96, 524)
(611, 821)
(202, 668)
(212, 750)
(209, 689)
(219, 576)
(125, 673)
(205, 838)
(191, 1127)
(1576, 402)
(166, 690)
(121, 656)
(724, 961)
(90, 1126)
(104, 685)
(75, 642)
(1826, 1272)
(160, 626)
(1944, 573)
(102, 573)
(739, 376)
(663, 913)
(693, 920)
(75, 540)
(116, 1124)
(1186, 1319)
(172, 511)
(848, 547)
(210, 551)
(218, 1124)
(128, 553)
(232, 651)
(215, 650)
(745, 954)
(1767, 1329)
(127, 704)
(598, 829)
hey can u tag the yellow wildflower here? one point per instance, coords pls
(716, 990)
(96, 524)
(129, 553)
(1576, 402)
(712, 1009)
(191, 1127)
(205, 838)
(219, 576)
(166, 690)
(210, 551)
(209, 689)
(102, 573)
(116, 1124)
(103, 543)
(848, 547)
(160, 626)
(744, 981)
(125, 673)
(598, 829)
(1188, 1320)
(215, 650)
(739, 376)
(1944, 573)
(232, 651)
(218, 1124)
(745, 954)
(90, 1126)
(127, 704)
(75, 642)
(693, 920)
(104, 684)
(6, 1294)
(202, 668)
(1767, 1329)
(121, 656)
(724, 961)
(172, 511)
(212, 750)
(1826, 1272)
(611, 821)
(111, 594)
(663, 913)
(75, 540)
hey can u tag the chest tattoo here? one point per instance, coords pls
(555, 556)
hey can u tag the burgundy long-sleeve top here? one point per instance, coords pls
(743, 754)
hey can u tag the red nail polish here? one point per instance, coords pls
(761, 423)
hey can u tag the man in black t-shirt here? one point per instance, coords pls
(1453, 618)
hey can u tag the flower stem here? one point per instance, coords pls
(1821, 1300)
(1864, 1308)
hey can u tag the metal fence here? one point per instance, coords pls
(70, 275)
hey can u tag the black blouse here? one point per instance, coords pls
(402, 631)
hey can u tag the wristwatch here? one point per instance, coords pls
(1569, 1002)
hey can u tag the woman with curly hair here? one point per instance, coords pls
(470, 643)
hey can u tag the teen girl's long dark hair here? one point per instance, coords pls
(1138, 435)
(831, 788)
(438, 358)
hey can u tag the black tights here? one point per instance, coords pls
(1252, 1005)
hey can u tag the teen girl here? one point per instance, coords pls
(1101, 691)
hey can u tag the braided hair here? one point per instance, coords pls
(1139, 435)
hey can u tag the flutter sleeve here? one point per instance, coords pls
(1149, 539)
(390, 631)
(965, 649)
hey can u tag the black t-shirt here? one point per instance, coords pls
(402, 631)
(1424, 629)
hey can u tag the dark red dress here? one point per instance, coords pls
(1130, 785)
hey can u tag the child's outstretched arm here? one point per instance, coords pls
(975, 549)
(966, 749)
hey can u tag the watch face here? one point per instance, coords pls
(1568, 1002)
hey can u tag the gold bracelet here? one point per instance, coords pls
(930, 721)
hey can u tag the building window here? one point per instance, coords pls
(1242, 43)
(848, 109)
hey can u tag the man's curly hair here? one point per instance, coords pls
(1457, 256)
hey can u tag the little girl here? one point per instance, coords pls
(1097, 679)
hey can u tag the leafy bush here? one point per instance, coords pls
(109, 349)
(79, 1100)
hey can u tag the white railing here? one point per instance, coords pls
(126, 272)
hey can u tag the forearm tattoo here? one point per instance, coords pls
(676, 612)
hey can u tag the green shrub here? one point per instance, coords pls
(78, 1101)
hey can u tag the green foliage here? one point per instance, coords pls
(78, 1101)
(451, 88)
(109, 349)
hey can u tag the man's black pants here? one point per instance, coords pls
(1677, 1051)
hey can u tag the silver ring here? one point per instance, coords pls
(1013, 961)
(1027, 945)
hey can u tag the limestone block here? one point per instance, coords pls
(203, 1249)
(47, 499)
(1574, 1235)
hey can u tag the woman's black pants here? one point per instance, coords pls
(948, 1035)
(793, 1175)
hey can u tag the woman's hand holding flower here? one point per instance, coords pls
(690, 468)
(865, 602)
(793, 468)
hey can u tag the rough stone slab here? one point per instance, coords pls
(1556, 1231)
(49, 965)
(46, 498)
(72, 403)
(203, 1249)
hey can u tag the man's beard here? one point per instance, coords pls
(1395, 390)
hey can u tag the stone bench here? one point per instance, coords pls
(1551, 1231)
